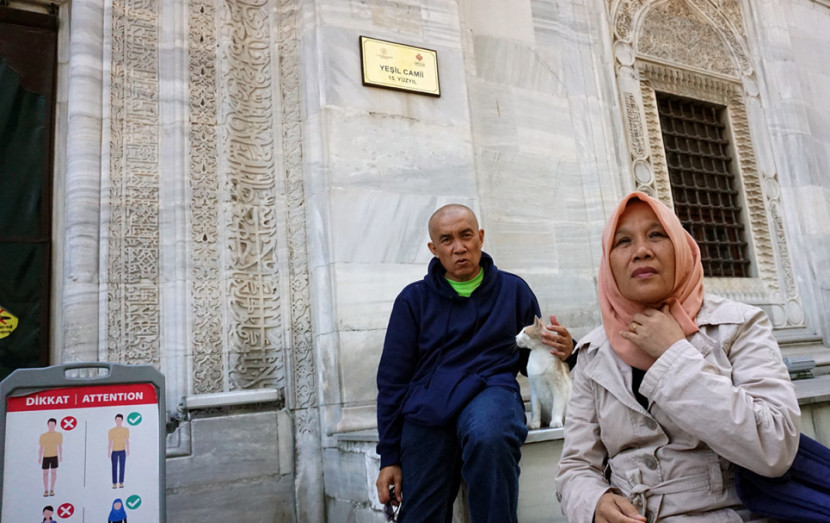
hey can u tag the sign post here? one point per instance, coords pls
(83, 449)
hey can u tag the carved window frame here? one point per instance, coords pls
(763, 283)
(771, 284)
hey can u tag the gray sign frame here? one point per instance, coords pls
(22, 382)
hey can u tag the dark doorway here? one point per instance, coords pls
(28, 49)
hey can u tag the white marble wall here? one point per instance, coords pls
(536, 147)
(378, 162)
(510, 136)
(528, 132)
(791, 45)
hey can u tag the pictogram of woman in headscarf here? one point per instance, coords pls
(117, 514)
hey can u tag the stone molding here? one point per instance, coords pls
(697, 49)
(208, 368)
(302, 388)
(132, 263)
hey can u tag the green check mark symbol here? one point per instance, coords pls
(134, 418)
(133, 502)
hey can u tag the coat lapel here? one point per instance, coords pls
(612, 374)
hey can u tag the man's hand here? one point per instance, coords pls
(613, 508)
(558, 339)
(390, 475)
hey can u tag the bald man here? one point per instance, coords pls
(449, 405)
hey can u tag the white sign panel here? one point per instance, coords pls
(82, 454)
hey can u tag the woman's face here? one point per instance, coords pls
(642, 257)
(116, 505)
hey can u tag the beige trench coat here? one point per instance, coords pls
(721, 395)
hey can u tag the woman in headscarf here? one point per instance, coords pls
(117, 514)
(673, 389)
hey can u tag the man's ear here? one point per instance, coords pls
(431, 247)
(481, 235)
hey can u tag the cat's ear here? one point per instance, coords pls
(538, 322)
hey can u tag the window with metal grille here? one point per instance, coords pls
(702, 182)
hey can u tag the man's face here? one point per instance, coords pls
(51, 425)
(456, 242)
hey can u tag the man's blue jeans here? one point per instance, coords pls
(118, 457)
(483, 447)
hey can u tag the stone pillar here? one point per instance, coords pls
(78, 228)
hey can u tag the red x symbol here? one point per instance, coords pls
(66, 510)
(68, 423)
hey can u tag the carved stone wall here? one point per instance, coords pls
(254, 328)
(247, 222)
(697, 49)
(133, 231)
(251, 304)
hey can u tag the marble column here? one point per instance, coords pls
(77, 321)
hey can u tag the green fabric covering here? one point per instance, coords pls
(24, 238)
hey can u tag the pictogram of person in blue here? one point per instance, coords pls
(117, 513)
(118, 449)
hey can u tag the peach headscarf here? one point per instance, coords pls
(686, 296)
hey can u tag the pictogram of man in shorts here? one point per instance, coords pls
(118, 450)
(49, 455)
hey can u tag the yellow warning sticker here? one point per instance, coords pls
(8, 322)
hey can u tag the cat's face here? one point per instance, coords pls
(531, 336)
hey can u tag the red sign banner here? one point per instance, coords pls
(85, 397)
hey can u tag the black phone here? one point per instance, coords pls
(389, 509)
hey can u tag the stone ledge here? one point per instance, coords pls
(809, 391)
(371, 436)
(815, 390)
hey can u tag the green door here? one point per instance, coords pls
(27, 73)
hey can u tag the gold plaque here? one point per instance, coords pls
(398, 66)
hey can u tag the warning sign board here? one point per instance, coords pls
(91, 451)
(8, 322)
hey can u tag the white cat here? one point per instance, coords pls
(549, 377)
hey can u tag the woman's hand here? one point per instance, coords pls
(558, 339)
(613, 508)
(654, 331)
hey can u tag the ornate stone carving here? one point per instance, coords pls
(207, 310)
(659, 187)
(133, 235)
(675, 33)
(731, 10)
(254, 329)
(656, 29)
(730, 27)
(635, 125)
(625, 17)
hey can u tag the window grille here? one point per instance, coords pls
(703, 184)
